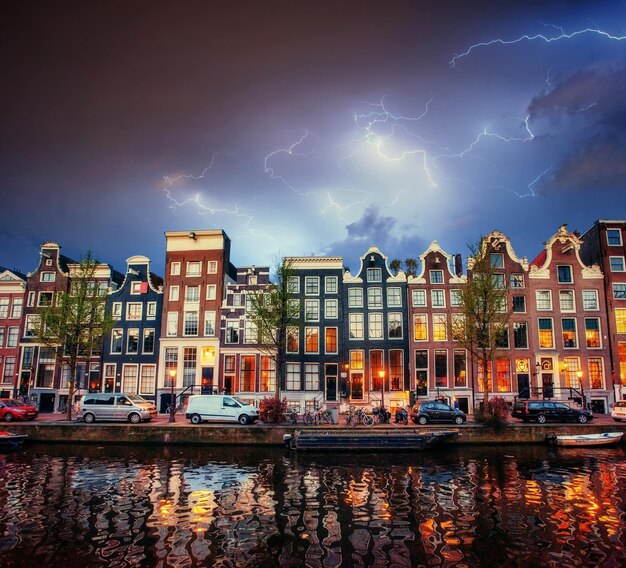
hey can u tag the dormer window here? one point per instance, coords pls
(496, 259)
(48, 276)
(48, 262)
(564, 274)
(436, 276)
(374, 275)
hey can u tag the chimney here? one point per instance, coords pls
(458, 264)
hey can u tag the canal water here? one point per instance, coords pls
(63, 505)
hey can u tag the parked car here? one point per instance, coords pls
(115, 406)
(618, 411)
(13, 409)
(547, 411)
(424, 412)
(220, 408)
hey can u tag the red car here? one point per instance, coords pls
(12, 409)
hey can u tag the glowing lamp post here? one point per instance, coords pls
(381, 374)
(172, 373)
(579, 376)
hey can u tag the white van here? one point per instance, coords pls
(115, 406)
(220, 407)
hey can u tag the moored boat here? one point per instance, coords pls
(366, 440)
(9, 440)
(599, 439)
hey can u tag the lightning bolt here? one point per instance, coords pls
(537, 37)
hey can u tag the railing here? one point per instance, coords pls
(549, 392)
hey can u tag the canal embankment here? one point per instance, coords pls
(163, 433)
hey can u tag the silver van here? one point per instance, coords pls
(221, 408)
(115, 406)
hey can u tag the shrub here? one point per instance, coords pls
(495, 415)
(272, 410)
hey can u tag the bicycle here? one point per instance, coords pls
(291, 416)
(359, 417)
(318, 417)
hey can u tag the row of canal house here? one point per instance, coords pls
(366, 337)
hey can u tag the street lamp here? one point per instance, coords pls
(172, 373)
(381, 374)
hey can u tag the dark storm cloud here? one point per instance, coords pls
(589, 107)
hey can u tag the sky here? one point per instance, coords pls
(307, 128)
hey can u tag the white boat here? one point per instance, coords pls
(600, 439)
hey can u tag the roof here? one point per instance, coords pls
(540, 259)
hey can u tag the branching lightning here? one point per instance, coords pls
(540, 37)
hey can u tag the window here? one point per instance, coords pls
(133, 311)
(32, 323)
(135, 287)
(376, 366)
(293, 285)
(355, 297)
(566, 300)
(570, 337)
(211, 267)
(614, 237)
(312, 310)
(520, 335)
(460, 368)
(481, 377)
(190, 355)
(396, 369)
(436, 276)
(503, 375)
(374, 275)
(616, 263)
(331, 285)
(16, 308)
(194, 268)
(496, 259)
(437, 299)
(420, 327)
(210, 291)
(48, 277)
(9, 370)
(4, 308)
(175, 269)
(592, 333)
(331, 309)
(268, 374)
(45, 299)
(440, 327)
(311, 340)
(293, 376)
(147, 379)
(564, 274)
(356, 326)
(31, 299)
(151, 310)
(502, 338)
(546, 336)
(13, 336)
(232, 331)
(116, 341)
(173, 293)
(455, 298)
(441, 368)
(590, 299)
(544, 299)
(132, 340)
(519, 304)
(619, 291)
(374, 298)
(27, 357)
(172, 324)
(237, 300)
(129, 378)
(190, 327)
(209, 324)
(247, 373)
(620, 320)
(394, 324)
(312, 286)
(293, 340)
(596, 373)
(311, 376)
(418, 298)
(498, 281)
(356, 360)
(192, 294)
(516, 281)
(1, 337)
(571, 365)
(331, 340)
(394, 298)
(375, 326)
(171, 364)
(148, 341)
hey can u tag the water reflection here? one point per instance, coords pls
(120, 506)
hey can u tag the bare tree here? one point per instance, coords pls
(74, 324)
(276, 316)
(483, 317)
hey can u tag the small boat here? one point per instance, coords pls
(9, 440)
(600, 439)
(372, 440)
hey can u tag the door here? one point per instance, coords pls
(207, 380)
(24, 382)
(230, 409)
(523, 385)
(331, 383)
(46, 402)
(356, 386)
(548, 385)
(444, 412)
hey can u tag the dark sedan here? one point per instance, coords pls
(433, 411)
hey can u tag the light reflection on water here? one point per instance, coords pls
(126, 506)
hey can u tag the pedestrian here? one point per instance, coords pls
(456, 404)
